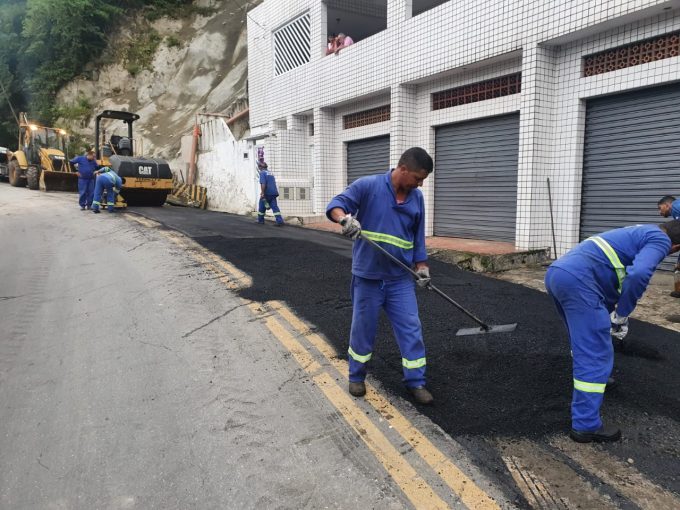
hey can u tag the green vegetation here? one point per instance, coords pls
(138, 55)
(44, 44)
(172, 42)
(80, 110)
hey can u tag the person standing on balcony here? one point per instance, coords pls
(342, 41)
(332, 44)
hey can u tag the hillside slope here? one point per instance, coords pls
(199, 66)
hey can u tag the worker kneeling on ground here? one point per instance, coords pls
(107, 180)
(388, 209)
(595, 287)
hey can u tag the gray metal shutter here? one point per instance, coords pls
(367, 157)
(475, 179)
(631, 158)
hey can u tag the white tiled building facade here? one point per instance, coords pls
(299, 100)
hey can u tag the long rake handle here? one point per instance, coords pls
(394, 259)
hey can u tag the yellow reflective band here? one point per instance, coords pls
(416, 363)
(589, 387)
(260, 214)
(96, 203)
(277, 214)
(386, 238)
(613, 258)
(359, 357)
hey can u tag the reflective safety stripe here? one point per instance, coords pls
(386, 238)
(260, 214)
(277, 214)
(96, 203)
(589, 387)
(416, 363)
(359, 357)
(613, 258)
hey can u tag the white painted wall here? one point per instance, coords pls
(232, 180)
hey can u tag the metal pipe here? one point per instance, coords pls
(552, 221)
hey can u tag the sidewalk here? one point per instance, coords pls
(470, 254)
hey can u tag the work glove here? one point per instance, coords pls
(350, 227)
(423, 277)
(619, 326)
(116, 190)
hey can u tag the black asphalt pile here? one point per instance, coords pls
(516, 384)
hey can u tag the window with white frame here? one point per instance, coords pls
(292, 44)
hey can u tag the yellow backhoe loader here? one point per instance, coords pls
(40, 160)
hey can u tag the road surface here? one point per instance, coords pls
(176, 358)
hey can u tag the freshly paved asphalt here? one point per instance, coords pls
(512, 386)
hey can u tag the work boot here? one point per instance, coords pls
(96, 211)
(357, 389)
(421, 395)
(602, 435)
(675, 294)
(611, 383)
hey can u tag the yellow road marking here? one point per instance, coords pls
(459, 482)
(416, 489)
(620, 475)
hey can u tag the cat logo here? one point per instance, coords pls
(144, 170)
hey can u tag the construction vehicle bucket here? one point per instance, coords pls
(58, 181)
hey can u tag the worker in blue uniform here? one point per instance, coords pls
(670, 206)
(595, 287)
(389, 209)
(107, 180)
(268, 194)
(87, 166)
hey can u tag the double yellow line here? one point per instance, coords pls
(287, 328)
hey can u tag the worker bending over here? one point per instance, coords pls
(87, 166)
(670, 206)
(595, 287)
(107, 180)
(388, 209)
(268, 194)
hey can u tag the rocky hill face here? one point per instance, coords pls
(196, 65)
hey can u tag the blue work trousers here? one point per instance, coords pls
(104, 183)
(85, 192)
(398, 299)
(586, 316)
(271, 200)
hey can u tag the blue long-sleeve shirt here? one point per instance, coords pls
(86, 168)
(675, 209)
(399, 228)
(269, 181)
(113, 178)
(640, 249)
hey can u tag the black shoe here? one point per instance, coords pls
(357, 389)
(82, 208)
(280, 224)
(421, 395)
(602, 435)
(96, 211)
(675, 294)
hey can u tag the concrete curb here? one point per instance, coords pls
(491, 263)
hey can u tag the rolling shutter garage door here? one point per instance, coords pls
(367, 157)
(475, 179)
(631, 158)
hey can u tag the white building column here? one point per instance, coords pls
(536, 142)
(326, 159)
(397, 11)
(403, 120)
